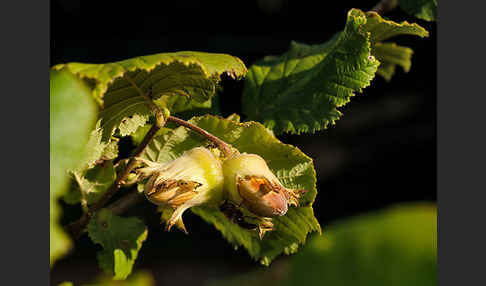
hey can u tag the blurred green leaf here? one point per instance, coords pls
(72, 116)
(139, 278)
(396, 246)
(121, 239)
(423, 9)
(292, 167)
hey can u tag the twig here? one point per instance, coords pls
(125, 202)
(385, 6)
(78, 226)
(120, 180)
(223, 146)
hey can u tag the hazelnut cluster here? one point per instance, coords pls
(198, 177)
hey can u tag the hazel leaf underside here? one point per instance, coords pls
(178, 81)
(292, 167)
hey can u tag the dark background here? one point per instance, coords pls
(382, 151)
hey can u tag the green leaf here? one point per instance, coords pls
(292, 167)
(396, 246)
(110, 152)
(178, 81)
(97, 150)
(390, 54)
(137, 136)
(90, 185)
(211, 106)
(381, 29)
(121, 239)
(96, 172)
(72, 116)
(301, 90)
(423, 9)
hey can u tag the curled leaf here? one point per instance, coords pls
(177, 81)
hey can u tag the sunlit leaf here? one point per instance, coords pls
(178, 81)
(301, 90)
(390, 54)
(292, 167)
